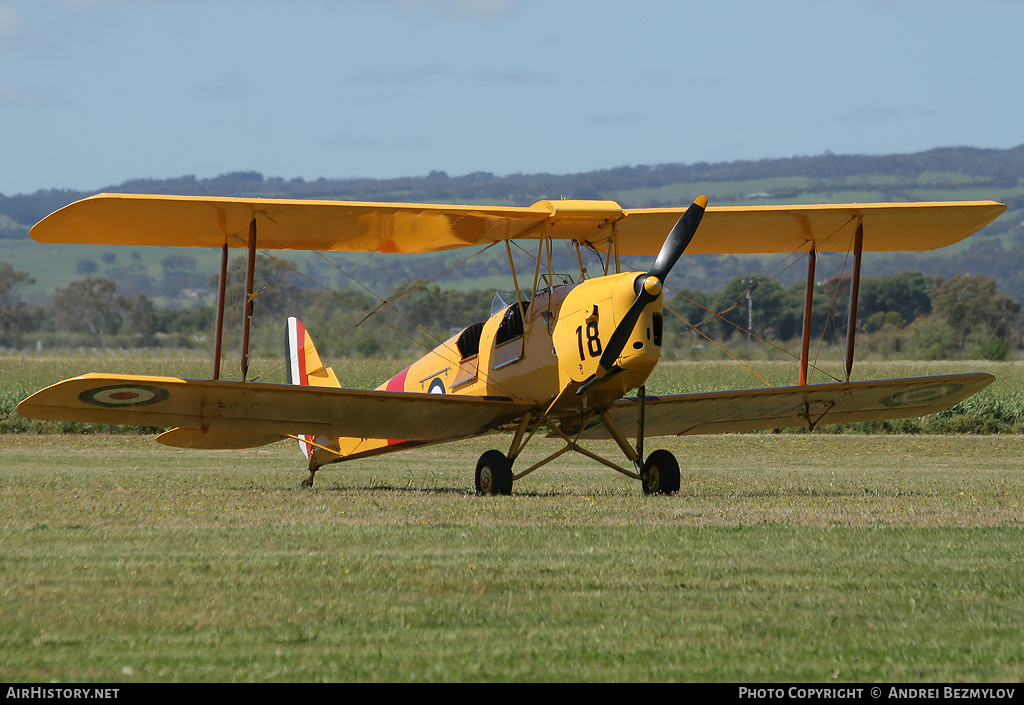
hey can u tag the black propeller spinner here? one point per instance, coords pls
(648, 286)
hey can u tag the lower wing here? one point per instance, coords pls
(791, 407)
(238, 414)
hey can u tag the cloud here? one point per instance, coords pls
(460, 8)
(404, 77)
(9, 20)
(349, 141)
(482, 8)
(233, 85)
(89, 4)
(11, 97)
(439, 72)
(515, 77)
(604, 119)
(871, 113)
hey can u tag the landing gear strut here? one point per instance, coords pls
(659, 474)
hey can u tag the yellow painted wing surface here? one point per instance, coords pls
(888, 227)
(792, 407)
(282, 224)
(265, 412)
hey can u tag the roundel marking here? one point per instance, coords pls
(922, 395)
(120, 395)
(437, 386)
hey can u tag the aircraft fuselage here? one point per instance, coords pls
(541, 356)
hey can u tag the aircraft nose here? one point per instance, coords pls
(652, 285)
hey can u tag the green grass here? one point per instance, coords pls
(997, 409)
(783, 558)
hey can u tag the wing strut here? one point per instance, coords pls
(515, 281)
(250, 271)
(851, 328)
(805, 342)
(641, 395)
(219, 335)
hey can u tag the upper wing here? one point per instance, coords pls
(790, 407)
(888, 227)
(267, 411)
(189, 221)
(193, 221)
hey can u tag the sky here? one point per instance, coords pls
(96, 92)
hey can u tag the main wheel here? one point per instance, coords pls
(660, 474)
(494, 473)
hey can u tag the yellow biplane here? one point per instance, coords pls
(559, 358)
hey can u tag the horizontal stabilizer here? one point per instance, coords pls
(267, 410)
(792, 407)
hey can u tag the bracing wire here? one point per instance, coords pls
(381, 305)
(721, 315)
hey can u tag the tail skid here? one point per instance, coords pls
(305, 367)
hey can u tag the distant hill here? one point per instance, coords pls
(957, 173)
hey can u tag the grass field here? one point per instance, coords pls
(784, 558)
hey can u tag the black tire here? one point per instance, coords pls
(660, 474)
(493, 474)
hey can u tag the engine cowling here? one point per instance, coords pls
(589, 316)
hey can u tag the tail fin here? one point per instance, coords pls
(305, 367)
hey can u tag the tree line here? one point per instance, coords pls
(904, 315)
